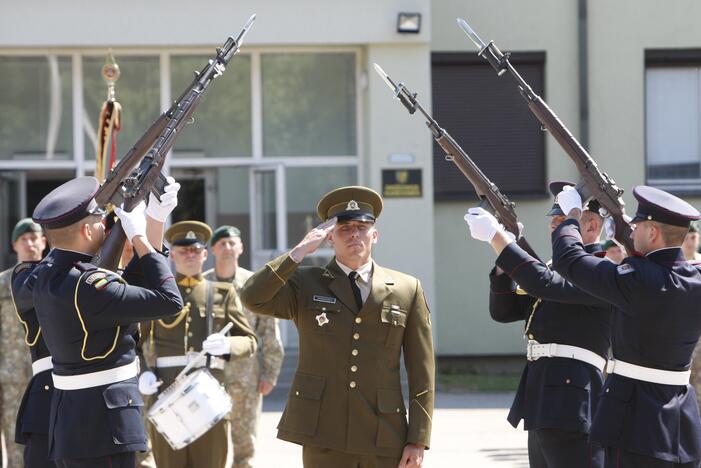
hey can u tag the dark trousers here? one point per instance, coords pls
(617, 458)
(36, 452)
(558, 448)
(117, 460)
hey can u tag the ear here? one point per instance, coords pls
(329, 238)
(85, 231)
(375, 235)
(205, 254)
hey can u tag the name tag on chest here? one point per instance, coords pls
(324, 299)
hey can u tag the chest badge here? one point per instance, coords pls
(322, 319)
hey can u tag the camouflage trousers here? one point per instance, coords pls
(245, 414)
(696, 372)
(11, 399)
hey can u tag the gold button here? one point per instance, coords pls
(568, 381)
(188, 304)
(530, 336)
(323, 308)
(354, 368)
(352, 384)
(189, 334)
(297, 393)
(46, 387)
(354, 352)
(399, 410)
(191, 348)
(607, 390)
(189, 319)
(130, 401)
(358, 320)
(356, 336)
(188, 290)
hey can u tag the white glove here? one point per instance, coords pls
(160, 210)
(483, 225)
(569, 199)
(216, 344)
(134, 222)
(148, 383)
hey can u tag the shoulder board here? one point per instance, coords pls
(83, 267)
(625, 268)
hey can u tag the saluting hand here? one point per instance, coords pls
(412, 456)
(312, 240)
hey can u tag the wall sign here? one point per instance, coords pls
(401, 183)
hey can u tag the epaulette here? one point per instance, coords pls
(83, 266)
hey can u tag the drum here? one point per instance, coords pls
(189, 408)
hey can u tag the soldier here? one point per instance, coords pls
(569, 335)
(208, 307)
(89, 320)
(647, 415)
(354, 319)
(247, 380)
(28, 242)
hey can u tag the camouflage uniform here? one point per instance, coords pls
(15, 370)
(696, 372)
(243, 375)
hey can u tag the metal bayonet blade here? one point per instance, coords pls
(471, 33)
(245, 29)
(385, 77)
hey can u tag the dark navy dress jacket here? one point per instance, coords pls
(554, 393)
(657, 322)
(89, 318)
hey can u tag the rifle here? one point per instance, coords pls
(594, 183)
(489, 194)
(139, 171)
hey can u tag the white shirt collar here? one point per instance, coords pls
(364, 272)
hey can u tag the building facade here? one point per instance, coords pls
(300, 111)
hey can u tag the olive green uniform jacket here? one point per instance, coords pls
(186, 332)
(346, 394)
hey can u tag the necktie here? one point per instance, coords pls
(356, 290)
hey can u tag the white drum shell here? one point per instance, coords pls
(189, 408)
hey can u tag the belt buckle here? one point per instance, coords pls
(529, 350)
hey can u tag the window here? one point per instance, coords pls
(309, 104)
(487, 116)
(673, 119)
(36, 108)
(222, 126)
(137, 90)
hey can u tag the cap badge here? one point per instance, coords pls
(322, 319)
(352, 206)
(190, 235)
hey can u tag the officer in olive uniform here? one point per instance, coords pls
(23, 353)
(247, 380)
(569, 335)
(647, 415)
(89, 320)
(354, 319)
(209, 306)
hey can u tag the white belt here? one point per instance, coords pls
(41, 365)
(535, 351)
(648, 374)
(182, 361)
(96, 379)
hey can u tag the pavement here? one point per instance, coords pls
(469, 430)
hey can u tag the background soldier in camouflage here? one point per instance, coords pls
(28, 242)
(690, 247)
(248, 380)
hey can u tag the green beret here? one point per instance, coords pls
(607, 244)
(350, 203)
(224, 231)
(694, 226)
(24, 226)
(188, 233)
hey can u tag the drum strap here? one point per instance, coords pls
(209, 314)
